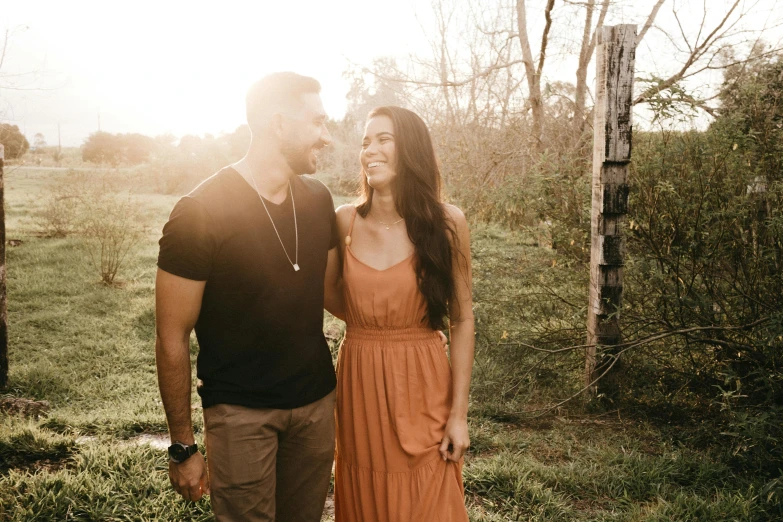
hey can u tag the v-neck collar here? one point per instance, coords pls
(255, 194)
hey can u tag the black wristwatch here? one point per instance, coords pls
(179, 452)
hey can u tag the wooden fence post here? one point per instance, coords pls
(615, 55)
(3, 292)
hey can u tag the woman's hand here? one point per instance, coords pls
(455, 439)
(444, 341)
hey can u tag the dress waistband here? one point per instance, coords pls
(391, 334)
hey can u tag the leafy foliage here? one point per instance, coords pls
(113, 149)
(13, 140)
(705, 241)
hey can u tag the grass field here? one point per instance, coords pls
(88, 349)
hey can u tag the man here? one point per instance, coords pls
(243, 260)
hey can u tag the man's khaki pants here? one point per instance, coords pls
(270, 465)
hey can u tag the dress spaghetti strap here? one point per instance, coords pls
(350, 228)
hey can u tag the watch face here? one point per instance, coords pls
(178, 452)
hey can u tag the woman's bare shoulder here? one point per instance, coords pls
(455, 214)
(344, 214)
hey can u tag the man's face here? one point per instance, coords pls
(304, 135)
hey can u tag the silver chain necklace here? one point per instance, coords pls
(295, 262)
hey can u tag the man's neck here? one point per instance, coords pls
(268, 172)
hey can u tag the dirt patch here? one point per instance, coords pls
(46, 465)
(156, 440)
(328, 515)
(14, 455)
(159, 441)
(25, 407)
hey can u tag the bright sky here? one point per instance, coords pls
(170, 66)
(181, 67)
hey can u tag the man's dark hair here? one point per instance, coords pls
(275, 92)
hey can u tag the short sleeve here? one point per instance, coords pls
(188, 243)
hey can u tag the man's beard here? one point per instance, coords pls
(298, 158)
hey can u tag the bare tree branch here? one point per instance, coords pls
(5, 47)
(542, 55)
(601, 18)
(643, 340)
(533, 79)
(650, 19)
(584, 53)
(682, 30)
(589, 37)
(698, 52)
(474, 77)
(626, 347)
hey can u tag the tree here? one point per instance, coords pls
(751, 110)
(367, 92)
(39, 142)
(102, 147)
(136, 148)
(14, 141)
(482, 51)
(238, 141)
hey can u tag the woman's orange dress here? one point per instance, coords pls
(393, 401)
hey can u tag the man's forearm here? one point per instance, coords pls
(173, 361)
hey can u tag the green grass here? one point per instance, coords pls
(105, 481)
(87, 348)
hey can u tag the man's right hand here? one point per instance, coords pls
(190, 478)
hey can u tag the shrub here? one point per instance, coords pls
(114, 227)
(58, 216)
(60, 213)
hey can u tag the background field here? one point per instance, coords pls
(88, 349)
(686, 423)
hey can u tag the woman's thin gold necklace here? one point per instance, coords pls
(295, 262)
(387, 225)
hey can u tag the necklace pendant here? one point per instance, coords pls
(296, 267)
(387, 227)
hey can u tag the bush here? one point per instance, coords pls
(114, 227)
(60, 213)
(705, 258)
(91, 204)
(57, 219)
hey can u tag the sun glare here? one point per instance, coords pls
(179, 68)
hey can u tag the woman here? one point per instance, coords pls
(401, 407)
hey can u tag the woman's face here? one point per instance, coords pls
(378, 156)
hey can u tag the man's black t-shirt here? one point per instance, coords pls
(260, 329)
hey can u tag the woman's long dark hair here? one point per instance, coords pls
(417, 189)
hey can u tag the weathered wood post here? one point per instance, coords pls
(615, 54)
(3, 293)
